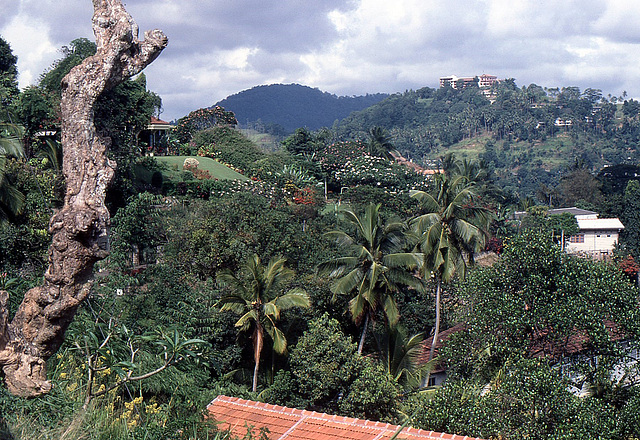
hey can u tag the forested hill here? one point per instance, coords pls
(292, 106)
(529, 135)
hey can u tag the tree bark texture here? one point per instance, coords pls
(79, 229)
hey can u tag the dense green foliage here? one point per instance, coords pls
(327, 374)
(538, 324)
(527, 335)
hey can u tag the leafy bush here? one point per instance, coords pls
(228, 145)
(202, 119)
(327, 374)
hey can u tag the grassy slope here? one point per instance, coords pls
(559, 151)
(216, 169)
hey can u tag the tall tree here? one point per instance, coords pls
(451, 230)
(79, 229)
(376, 269)
(8, 61)
(8, 74)
(630, 237)
(259, 298)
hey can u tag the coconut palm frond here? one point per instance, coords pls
(246, 320)
(296, 297)
(348, 282)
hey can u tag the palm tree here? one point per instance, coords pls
(379, 143)
(449, 233)
(11, 199)
(258, 296)
(377, 268)
(400, 355)
(51, 150)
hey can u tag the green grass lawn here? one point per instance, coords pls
(173, 165)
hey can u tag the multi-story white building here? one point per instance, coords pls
(484, 81)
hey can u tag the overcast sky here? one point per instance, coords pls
(350, 47)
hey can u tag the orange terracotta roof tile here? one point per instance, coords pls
(294, 424)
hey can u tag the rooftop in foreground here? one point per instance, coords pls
(294, 424)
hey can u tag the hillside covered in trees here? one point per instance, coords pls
(292, 106)
(529, 136)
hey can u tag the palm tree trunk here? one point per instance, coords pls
(364, 333)
(255, 376)
(437, 329)
(258, 340)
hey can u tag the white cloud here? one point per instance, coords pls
(351, 46)
(29, 38)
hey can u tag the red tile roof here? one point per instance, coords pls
(155, 120)
(295, 424)
(443, 337)
(577, 342)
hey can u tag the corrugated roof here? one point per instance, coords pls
(294, 424)
(576, 212)
(588, 224)
(573, 211)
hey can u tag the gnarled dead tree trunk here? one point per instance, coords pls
(79, 229)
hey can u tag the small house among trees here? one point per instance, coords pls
(154, 137)
(597, 237)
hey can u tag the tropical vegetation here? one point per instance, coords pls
(324, 275)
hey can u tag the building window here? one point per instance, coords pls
(576, 238)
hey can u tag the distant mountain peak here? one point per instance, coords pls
(294, 105)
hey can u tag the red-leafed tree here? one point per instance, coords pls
(629, 267)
